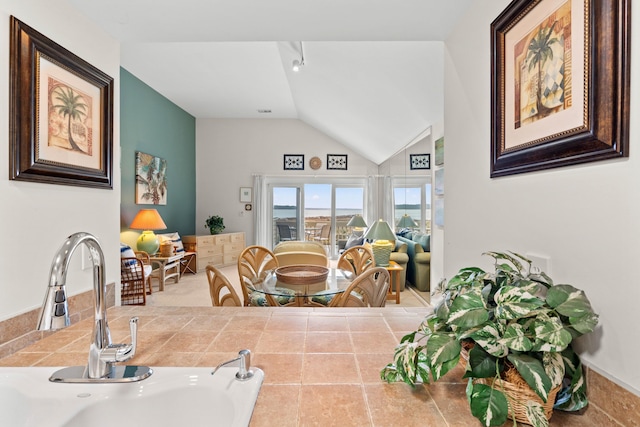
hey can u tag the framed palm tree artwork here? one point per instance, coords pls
(61, 114)
(151, 179)
(559, 84)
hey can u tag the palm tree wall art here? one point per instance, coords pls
(543, 84)
(69, 118)
(151, 179)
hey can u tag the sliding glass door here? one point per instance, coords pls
(285, 214)
(413, 197)
(316, 211)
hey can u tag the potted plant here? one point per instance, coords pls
(215, 224)
(516, 329)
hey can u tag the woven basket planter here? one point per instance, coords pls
(518, 394)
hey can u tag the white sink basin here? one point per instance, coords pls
(169, 397)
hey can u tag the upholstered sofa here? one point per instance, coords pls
(293, 252)
(419, 265)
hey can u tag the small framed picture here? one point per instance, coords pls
(246, 194)
(337, 161)
(420, 161)
(439, 160)
(294, 162)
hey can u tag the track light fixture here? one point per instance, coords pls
(297, 64)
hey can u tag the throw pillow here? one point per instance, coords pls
(354, 241)
(175, 240)
(423, 239)
(127, 252)
(405, 232)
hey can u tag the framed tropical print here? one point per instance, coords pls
(61, 114)
(559, 84)
(151, 179)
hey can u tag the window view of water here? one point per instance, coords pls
(282, 212)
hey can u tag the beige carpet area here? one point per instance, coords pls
(193, 290)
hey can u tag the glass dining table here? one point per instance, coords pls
(303, 294)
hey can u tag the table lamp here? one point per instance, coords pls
(148, 220)
(406, 222)
(358, 224)
(383, 242)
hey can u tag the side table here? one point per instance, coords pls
(188, 263)
(168, 267)
(394, 270)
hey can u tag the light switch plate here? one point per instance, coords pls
(543, 262)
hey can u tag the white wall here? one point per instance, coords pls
(230, 151)
(583, 218)
(437, 232)
(35, 219)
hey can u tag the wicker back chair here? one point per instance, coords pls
(356, 259)
(219, 285)
(369, 289)
(252, 263)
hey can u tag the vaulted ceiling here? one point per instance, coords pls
(373, 69)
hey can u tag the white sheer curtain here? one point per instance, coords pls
(379, 199)
(387, 201)
(260, 210)
(372, 200)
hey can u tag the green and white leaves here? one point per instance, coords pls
(533, 372)
(443, 354)
(487, 404)
(468, 310)
(515, 303)
(515, 313)
(573, 303)
(535, 413)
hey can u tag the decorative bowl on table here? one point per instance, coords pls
(301, 274)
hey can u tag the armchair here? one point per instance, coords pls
(134, 277)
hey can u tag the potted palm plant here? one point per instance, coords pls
(515, 329)
(215, 224)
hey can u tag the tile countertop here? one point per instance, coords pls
(321, 365)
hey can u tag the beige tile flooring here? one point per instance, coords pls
(193, 291)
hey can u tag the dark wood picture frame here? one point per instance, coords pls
(604, 131)
(29, 50)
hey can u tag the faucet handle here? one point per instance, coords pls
(122, 352)
(133, 329)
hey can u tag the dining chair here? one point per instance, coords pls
(253, 263)
(218, 284)
(356, 259)
(285, 232)
(325, 234)
(369, 289)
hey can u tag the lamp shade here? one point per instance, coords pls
(357, 221)
(380, 230)
(148, 220)
(383, 238)
(406, 222)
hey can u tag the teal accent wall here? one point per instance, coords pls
(151, 123)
